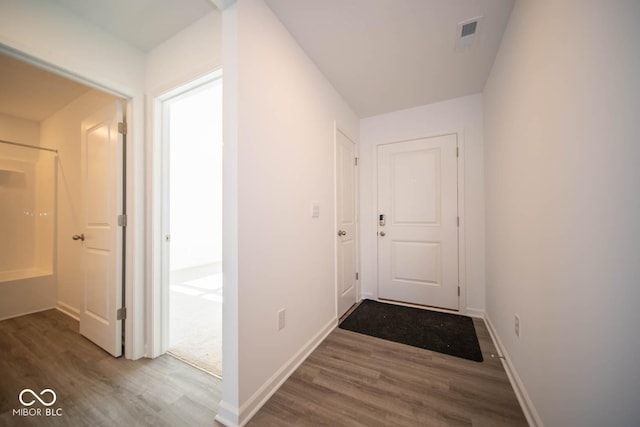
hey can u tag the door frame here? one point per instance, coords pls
(158, 292)
(337, 128)
(462, 281)
(134, 339)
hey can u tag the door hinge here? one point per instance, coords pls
(457, 152)
(121, 314)
(356, 160)
(458, 290)
(122, 128)
(357, 276)
(458, 221)
(122, 220)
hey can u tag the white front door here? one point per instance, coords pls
(346, 221)
(417, 222)
(102, 179)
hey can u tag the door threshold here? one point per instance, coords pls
(175, 356)
(422, 306)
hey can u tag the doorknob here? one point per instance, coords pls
(382, 234)
(78, 237)
(342, 233)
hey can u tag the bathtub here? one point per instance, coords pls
(26, 291)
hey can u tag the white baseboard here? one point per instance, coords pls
(227, 413)
(72, 312)
(368, 295)
(518, 387)
(474, 312)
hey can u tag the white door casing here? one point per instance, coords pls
(346, 222)
(102, 181)
(418, 243)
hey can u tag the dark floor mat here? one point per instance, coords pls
(432, 330)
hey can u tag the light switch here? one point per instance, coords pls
(315, 209)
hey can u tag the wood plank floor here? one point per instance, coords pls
(45, 350)
(356, 380)
(349, 380)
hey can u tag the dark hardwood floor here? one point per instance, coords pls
(45, 350)
(357, 380)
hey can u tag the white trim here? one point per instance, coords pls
(226, 413)
(368, 295)
(462, 259)
(475, 312)
(260, 397)
(462, 271)
(157, 226)
(335, 217)
(72, 312)
(516, 383)
(62, 72)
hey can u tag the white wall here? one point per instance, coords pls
(45, 31)
(62, 132)
(562, 219)
(462, 116)
(194, 51)
(280, 149)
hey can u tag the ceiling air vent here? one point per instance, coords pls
(469, 29)
(467, 33)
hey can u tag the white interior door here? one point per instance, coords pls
(418, 235)
(102, 178)
(346, 221)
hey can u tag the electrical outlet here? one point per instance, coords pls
(517, 325)
(281, 318)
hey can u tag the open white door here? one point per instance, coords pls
(417, 223)
(346, 220)
(102, 179)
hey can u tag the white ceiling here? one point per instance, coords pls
(141, 23)
(31, 93)
(388, 55)
(381, 55)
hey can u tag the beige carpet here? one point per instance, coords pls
(195, 326)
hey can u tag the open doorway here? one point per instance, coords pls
(62, 198)
(192, 223)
